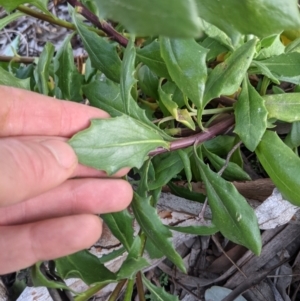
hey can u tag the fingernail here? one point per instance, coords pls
(62, 152)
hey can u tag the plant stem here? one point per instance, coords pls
(90, 292)
(204, 112)
(115, 294)
(140, 287)
(17, 59)
(129, 290)
(264, 86)
(215, 111)
(33, 13)
(143, 238)
(52, 20)
(103, 25)
(210, 133)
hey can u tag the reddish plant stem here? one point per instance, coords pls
(104, 26)
(210, 133)
(139, 286)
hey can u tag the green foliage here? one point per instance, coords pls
(190, 64)
(154, 18)
(120, 224)
(281, 164)
(68, 79)
(86, 266)
(251, 116)
(284, 67)
(128, 147)
(185, 60)
(226, 78)
(10, 18)
(41, 73)
(158, 234)
(150, 55)
(103, 54)
(11, 5)
(261, 18)
(158, 293)
(8, 79)
(284, 107)
(231, 213)
(232, 171)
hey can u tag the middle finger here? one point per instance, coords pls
(76, 196)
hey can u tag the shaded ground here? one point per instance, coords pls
(29, 35)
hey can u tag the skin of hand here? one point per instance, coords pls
(48, 202)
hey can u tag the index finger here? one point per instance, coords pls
(28, 113)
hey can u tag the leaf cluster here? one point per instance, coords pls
(174, 76)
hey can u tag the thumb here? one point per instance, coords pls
(31, 167)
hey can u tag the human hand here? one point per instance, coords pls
(48, 200)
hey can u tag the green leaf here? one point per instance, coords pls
(166, 167)
(185, 60)
(151, 224)
(134, 262)
(271, 46)
(13, 4)
(181, 116)
(106, 96)
(90, 72)
(250, 116)
(293, 137)
(152, 250)
(261, 18)
(150, 55)
(284, 107)
(215, 48)
(169, 18)
(177, 95)
(185, 158)
(112, 255)
(158, 293)
(220, 145)
(7, 79)
(111, 144)
(39, 279)
(232, 215)
(226, 78)
(236, 157)
(197, 230)
(41, 73)
(67, 77)
(186, 193)
(281, 164)
(294, 46)
(120, 224)
(10, 18)
(217, 34)
(277, 90)
(259, 68)
(127, 77)
(232, 172)
(85, 266)
(148, 81)
(146, 173)
(103, 54)
(284, 67)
